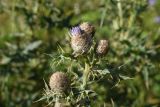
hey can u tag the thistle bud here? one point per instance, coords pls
(88, 28)
(59, 82)
(102, 47)
(80, 41)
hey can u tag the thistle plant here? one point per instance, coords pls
(88, 63)
(74, 89)
(81, 71)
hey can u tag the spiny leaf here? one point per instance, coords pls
(46, 86)
(32, 46)
(124, 77)
(42, 98)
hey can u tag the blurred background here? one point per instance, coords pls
(32, 29)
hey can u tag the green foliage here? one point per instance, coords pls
(34, 44)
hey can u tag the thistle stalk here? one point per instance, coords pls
(85, 75)
(58, 104)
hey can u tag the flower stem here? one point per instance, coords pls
(58, 104)
(85, 75)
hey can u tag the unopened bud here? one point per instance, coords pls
(87, 28)
(59, 82)
(102, 47)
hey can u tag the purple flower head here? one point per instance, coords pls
(151, 2)
(75, 31)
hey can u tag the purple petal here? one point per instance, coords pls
(75, 31)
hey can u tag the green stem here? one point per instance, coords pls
(120, 14)
(58, 104)
(85, 75)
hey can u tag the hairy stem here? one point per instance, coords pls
(85, 75)
(58, 104)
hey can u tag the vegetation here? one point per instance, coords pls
(35, 43)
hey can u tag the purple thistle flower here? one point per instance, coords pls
(81, 38)
(75, 31)
(151, 2)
